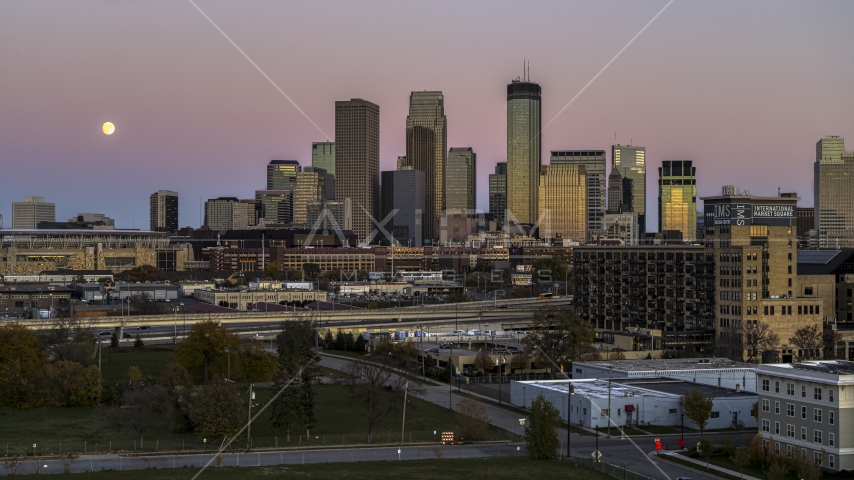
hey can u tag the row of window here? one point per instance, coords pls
(790, 453)
(787, 310)
(790, 411)
(817, 435)
(790, 390)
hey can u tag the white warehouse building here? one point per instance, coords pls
(716, 372)
(636, 402)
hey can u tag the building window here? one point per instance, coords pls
(830, 395)
(672, 410)
(803, 413)
(804, 391)
(766, 405)
(777, 387)
(831, 439)
(803, 433)
(766, 384)
(816, 394)
(790, 451)
(816, 457)
(790, 409)
(790, 431)
(830, 417)
(790, 388)
(816, 436)
(776, 428)
(766, 425)
(816, 415)
(777, 408)
(831, 461)
(716, 415)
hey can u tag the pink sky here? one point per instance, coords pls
(745, 89)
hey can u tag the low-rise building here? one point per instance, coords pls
(154, 291)
(16, 300)
(806, 409)
(636, 402)
(715, 372)
(241, 299)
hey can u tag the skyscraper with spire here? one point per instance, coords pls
(426, 150)
(524, 150)
(631, 160)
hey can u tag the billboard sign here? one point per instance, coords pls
(740, 214)
(521, 279)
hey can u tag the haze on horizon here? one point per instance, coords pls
(743, 89)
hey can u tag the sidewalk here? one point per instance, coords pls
(710, 467)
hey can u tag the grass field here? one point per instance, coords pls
(492, 468)
(341, 421)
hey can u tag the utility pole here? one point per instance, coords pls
(249, 425)
(403, 423)
(568, 414)
(609, 401)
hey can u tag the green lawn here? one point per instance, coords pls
(116, 362)
(445, 469)
(340, 421)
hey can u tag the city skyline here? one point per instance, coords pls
(52, 123)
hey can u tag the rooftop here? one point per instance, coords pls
(821, 262)
(659, 387)
(658, 365)
(835, 367)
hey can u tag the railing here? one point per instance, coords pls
(613, 471)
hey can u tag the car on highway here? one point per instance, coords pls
(432, 350)
(504, 306)
(513, 351)
(104, 333)
(446, 345)
(143, 327)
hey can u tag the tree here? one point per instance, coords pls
(472, 420)
(558, 337)
(308, 416)
(483, 361)
(542, 429)
(807, 468)
(311, 270)
(295, 405)
(548, 269)
(697, 408)
(134, 374)
(741, 459)
(518, 362)
(778, 470)
(830, 340)
(145, 273)
(217, 411)
(143, 304)
(760, 340)
(23, 368)
(272, 270)
(73, 385)
(205, 344)
(145, 409)
(257, 364)
(808, 341)
(618, 355)
(178, 384)
(373, 387)
(705, 449)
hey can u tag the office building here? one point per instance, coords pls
(387, 196)
(282, 174)
(754, 242)
(631, 160)
(677, 198)
(323, 156)
(310, 187)
(524, 151)
(663, 287)
(615, 191)
(426, 150)
(278, 206)
(31, 211)
(163, 211)
(806, 221)
(409, 198)
(460, 181)
(329, 215)
(95, 219)
(401, 162)
(563, 202)
(805, 409)
(834, 193)
(357, 162)
(498, 191)
(228, 213)
(622, 226)
(594, 164)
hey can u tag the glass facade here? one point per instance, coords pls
(310, 186)
(677, 198)
(460, 182)
(524, 149)
(594, 163)
(834, 193)
(563, 202)
(498, 191)
(631, 161)
(282, 174)
(323, 156)
(426, 150)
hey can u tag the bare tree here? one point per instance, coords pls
(558, 337)
(144, 410)
(831, 338)
(483, 361)
(376, 389)
(809, 342)
(472, 420)
(760, 340)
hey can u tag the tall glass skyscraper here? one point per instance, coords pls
(498, 191)
(460, 182)
(677, 198)
(563, 202)
(834, 193)
(323, 156)
(631, 160)
(524, 149)
(282, 174)
(357, 162)
(426, 150)
(594, 163)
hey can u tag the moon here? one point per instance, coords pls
(108, 128)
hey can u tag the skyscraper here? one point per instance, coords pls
(834, 193)
(31, 211)
(323, 156)
(387, 196)
(163, 211)
(357, 161)
(460, 181)
(594, 163)
(563, 201)
(677, 198)
(228, 213)
(282, 174)
(426, 150)
(524, 148)
(278, 205)
(310, 187)
(498, 191)
(409, 199)
(615, 191)
(631, 161)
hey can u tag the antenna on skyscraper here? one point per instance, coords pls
(529, 71)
